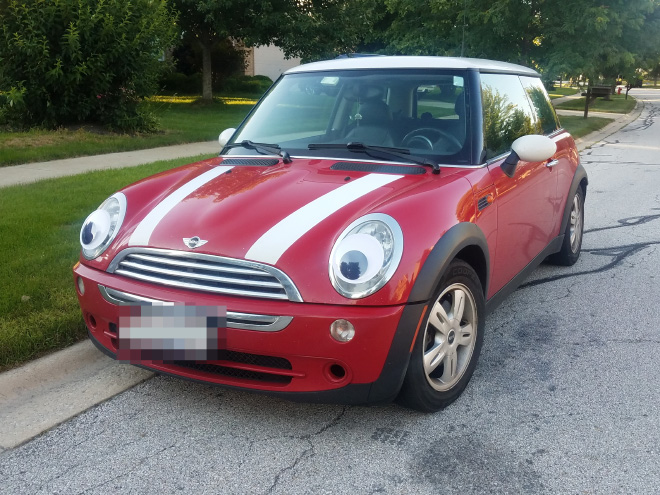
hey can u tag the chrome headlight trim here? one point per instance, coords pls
(355, 238)
(112, 211)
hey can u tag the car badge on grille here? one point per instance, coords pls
(194, 242)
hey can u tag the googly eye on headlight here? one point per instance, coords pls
(366, 255)
(100, 228)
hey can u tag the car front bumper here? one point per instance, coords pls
(300, 362)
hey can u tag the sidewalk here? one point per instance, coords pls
(563, 99)
(33, 172)
(580, 113)
(48, 391)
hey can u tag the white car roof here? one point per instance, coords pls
(407, 62)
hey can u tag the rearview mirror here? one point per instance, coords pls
(530, 148)
(225, 136)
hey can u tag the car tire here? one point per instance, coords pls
(572, 245)
(448, 342)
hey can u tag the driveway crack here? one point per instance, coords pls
(291, 467)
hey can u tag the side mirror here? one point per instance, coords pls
(225, 136)
(530, 148)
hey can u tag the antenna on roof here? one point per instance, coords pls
(356, 55)
(464, 11)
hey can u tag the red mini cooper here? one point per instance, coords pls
(349, 240)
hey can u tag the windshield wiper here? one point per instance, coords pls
(383, 152)
(269, 149)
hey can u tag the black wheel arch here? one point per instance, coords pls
(580, 179)
(465, 241)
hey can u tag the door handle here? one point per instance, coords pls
(552, 163)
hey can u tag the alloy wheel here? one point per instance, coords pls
(450, 337)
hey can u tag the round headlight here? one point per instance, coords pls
(100, 228)
(366, 255)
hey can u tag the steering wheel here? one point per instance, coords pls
(426, 136)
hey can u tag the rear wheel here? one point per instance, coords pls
(448, 343)
(572, 245)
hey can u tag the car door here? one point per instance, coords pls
(566, 157)
(526, 202)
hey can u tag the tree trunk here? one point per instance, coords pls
(207, 72)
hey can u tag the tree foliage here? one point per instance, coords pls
(75, 61)
(580, 37)
(309, 29)
(319, 29)
(597, 39)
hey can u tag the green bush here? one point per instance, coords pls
(78, 61)
(247, 84)
(176, 82)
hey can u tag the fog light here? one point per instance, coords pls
(342, 330)
(81, 286)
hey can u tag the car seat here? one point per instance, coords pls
(373, 122)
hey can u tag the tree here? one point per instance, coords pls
(581, 37)
(226, 59)
(593, 39)
(77, 61)
(305, 28)
(500, 29)
(321, 29)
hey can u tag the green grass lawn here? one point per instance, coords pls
(618, 104)
(182, 120)
(39, 228)
(579, 126)
(559, 92)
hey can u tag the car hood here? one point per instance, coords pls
(285, 215)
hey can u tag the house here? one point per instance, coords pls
(267, 60)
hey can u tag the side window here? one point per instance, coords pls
(541, 104)
(507, 112)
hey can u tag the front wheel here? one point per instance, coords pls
(448, 343)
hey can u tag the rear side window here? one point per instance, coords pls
(507, 112)
(541, 104)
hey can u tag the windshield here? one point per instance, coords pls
(420, 111)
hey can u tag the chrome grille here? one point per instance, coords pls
(246, 321)
(204, 272)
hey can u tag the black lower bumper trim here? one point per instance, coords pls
(383, 390)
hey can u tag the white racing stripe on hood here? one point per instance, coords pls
(270, 246)
(142, 233)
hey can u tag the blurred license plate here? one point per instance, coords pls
(171, 333)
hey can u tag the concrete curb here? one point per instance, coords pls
(48, 391)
